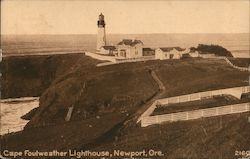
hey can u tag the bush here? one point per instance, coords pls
(212, 49)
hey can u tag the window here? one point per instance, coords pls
(123, 53)
(171, 56)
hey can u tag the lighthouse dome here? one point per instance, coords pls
(101, 17)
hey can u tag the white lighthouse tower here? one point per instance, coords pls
(101, 36)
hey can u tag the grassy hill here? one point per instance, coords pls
(124, 87)
(24, 76)
(112, 93)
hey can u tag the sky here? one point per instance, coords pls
(124, 17)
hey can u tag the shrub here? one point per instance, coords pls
(212, 49)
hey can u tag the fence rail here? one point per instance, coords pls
(236, 91)
(189, 115)
(234, 66)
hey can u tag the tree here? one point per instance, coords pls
(212, 49)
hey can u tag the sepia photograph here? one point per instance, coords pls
(120, 79)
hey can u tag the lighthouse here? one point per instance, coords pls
(101, 35)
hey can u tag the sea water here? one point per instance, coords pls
(238, 44)
(12, 110)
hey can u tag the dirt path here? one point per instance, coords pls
(130, 121)
(157, 96)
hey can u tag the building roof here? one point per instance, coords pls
(130, 42)
(167, 49)
(107, 47)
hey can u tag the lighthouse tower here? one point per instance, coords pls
(101, 35)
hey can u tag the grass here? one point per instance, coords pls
(116, 91)
(208, 138)
(24, 76)
(124, 87)
(195, 75)
(61, 136)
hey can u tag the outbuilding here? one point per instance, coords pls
(169, 53)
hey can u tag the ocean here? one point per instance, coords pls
(12, 110)
(238, 44)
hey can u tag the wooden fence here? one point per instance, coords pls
(234, 66)
(189, 115)
(236, 91)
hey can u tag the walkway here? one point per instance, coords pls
(130, 120)
(147, 105)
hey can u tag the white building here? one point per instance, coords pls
(169, 53)
(128, 48)
(101, 35)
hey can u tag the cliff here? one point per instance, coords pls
(24, 76)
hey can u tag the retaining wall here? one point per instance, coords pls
(144, 58)
(116, 60)
(101, 57)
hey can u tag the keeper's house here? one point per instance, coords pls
(170, 53)
(129, 48)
